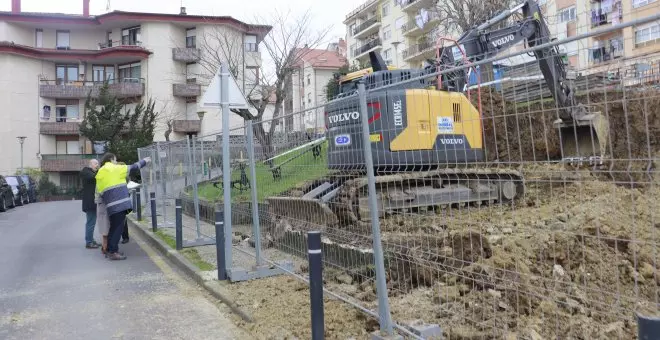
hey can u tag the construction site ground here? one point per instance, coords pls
(576, 257)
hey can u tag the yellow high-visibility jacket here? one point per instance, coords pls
(111, 186)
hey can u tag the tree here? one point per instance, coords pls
(287, 44)
(123, 130)
(459, 16)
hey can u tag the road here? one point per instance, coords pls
(52, 287)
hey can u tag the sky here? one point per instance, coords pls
(325, 13)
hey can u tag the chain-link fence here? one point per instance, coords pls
(524, 205)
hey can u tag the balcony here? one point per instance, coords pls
(186, 55)
(598, 18)
(364, 8)
(127, 88)
(413, 6)
(187, 126)
(361, 51)
(370, 26)
(186, 90)
(411, 29)
(422, 50)
(59, 128)
(65, 162)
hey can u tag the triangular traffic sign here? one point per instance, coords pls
(211, 97)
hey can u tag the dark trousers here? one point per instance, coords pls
(117, 224)
(124, 234)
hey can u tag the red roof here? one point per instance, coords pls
(60, 18)
(319, 58)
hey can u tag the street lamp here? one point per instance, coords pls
(21, 139)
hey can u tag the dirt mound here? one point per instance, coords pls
(516, 133)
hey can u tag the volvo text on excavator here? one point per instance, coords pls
(426, 135)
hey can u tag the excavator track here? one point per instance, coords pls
(342, 199)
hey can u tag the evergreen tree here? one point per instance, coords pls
(108, 121)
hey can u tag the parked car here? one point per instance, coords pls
(19, 189)
(31, 187)
(6, 195)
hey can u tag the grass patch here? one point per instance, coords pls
(189, 253)
(193, 256)
(166, 238)
(299, 170)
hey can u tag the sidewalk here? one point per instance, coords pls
(243, 253)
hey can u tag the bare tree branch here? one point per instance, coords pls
(288, 43)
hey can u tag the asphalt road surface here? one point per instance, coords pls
(52, 287)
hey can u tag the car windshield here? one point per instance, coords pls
(26, 180)
(12, 181)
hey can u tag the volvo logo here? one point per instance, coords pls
(451, 141)
(503, 40)
(342, 117)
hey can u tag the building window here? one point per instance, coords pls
(66, 109)
(65, 74)
(131, 36)
(351, 29)
(400, 22)
(62, 39)
(387, 54)
(130, 73)
(251, 43)
(640, 3)
(101, 73)
(67, 145)
(252, 75)
(646, 33)
(191, 39)
(386, 10)
(387, 33)
(39, 38)
(567, 14)
(309, 79)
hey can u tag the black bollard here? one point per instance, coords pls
(138, 207)
(154, 222)
(220, 245)
(179, 224)
(648, 327)
(315, 283)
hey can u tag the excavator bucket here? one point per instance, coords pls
(584, 140)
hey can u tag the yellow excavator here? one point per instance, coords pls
(425, 140)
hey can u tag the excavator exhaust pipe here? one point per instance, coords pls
(584, 139)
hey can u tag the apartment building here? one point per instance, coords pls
(50, 62)
(402, 31)
(405, 32)
(306, 87)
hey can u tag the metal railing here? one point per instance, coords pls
(466, 209)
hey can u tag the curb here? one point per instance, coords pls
(214, 288)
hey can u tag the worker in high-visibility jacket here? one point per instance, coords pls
(112, 188)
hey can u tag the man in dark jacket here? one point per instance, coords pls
(88, 175)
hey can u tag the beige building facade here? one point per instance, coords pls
(405, 33)
(51, 62)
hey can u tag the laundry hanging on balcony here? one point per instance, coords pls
(422, 18)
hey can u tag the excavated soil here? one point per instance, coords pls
(571, 260)
(516, 133)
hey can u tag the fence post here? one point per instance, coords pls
(154, 222)
(381, 285)
(219, 246)
(138, 208)
(256, 230)
(226, 170)
(315, 259)
(191, 167)
(179, 224)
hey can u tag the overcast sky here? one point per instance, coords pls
(326, 13)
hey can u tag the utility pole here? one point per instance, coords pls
(21, 139)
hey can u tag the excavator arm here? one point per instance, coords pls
(490, 38)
